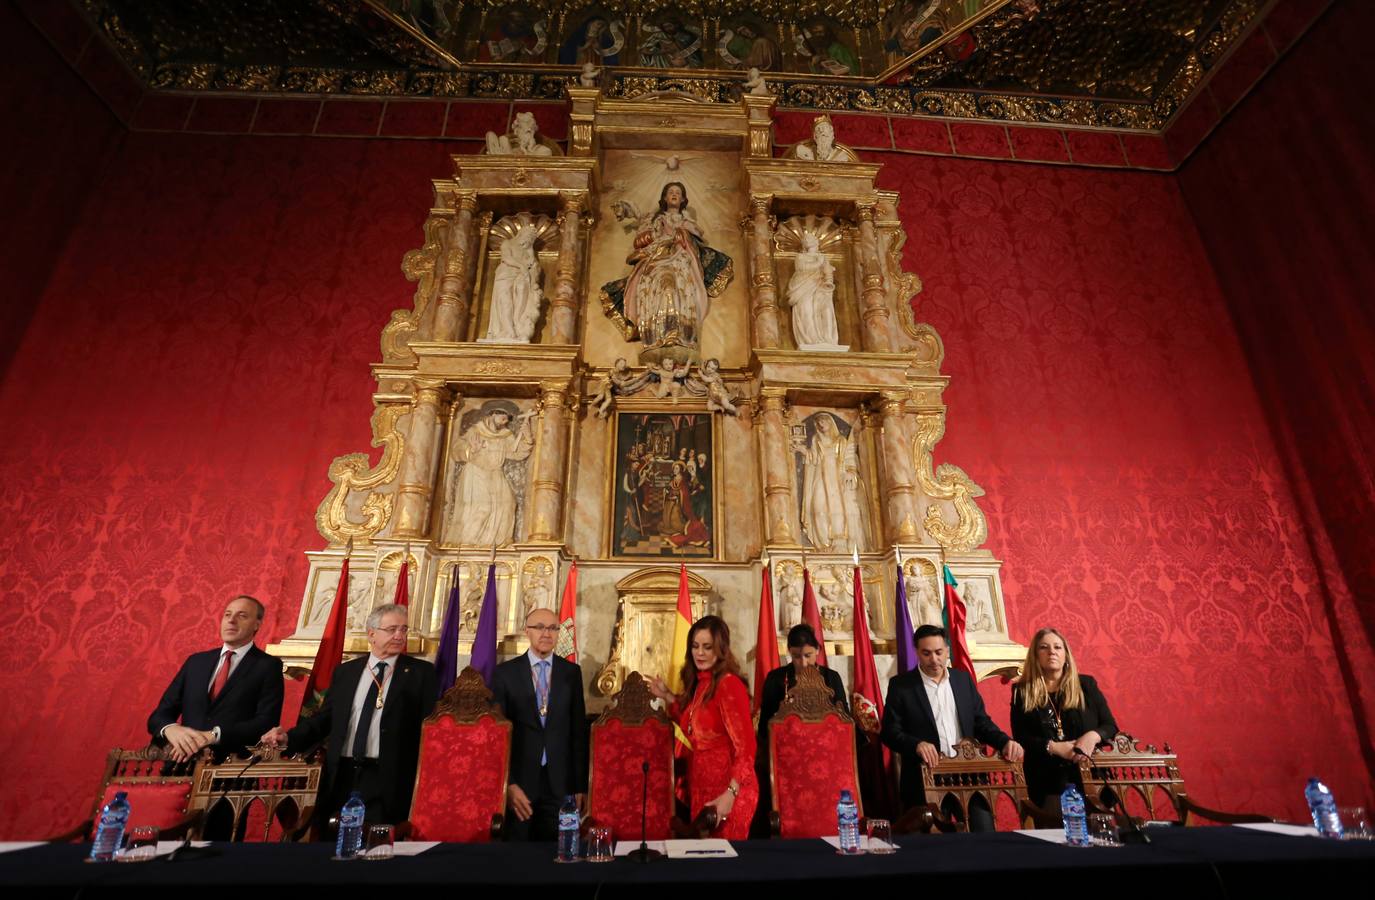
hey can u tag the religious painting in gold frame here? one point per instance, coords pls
(664, 493)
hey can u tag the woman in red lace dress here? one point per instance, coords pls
(714, 713)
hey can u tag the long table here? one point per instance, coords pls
(1210, 861)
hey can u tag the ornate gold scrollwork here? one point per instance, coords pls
(417, 265)
(350, 473)
(947, 482)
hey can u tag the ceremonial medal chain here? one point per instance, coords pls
(376, 681)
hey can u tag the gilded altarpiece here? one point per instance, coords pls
(602, 362)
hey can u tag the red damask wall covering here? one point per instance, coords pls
(200, 352)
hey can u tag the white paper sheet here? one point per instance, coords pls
(1281, 828)
(166, 847)
(1050, 835)
(711, 848)
(11, 846)
(413, 848)
(864, 843)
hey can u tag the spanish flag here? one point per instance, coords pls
(682, 624)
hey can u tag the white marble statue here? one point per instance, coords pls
(822, 146)
(589, 76)
(671, 376)
(923, 603)
(535, 594)
(755, 83)
(621, 381)
(789, 602)
(486, 504)
(523, 140)
(516, 294)
(830, 487)
(811, 294)
(978, 610)
(837, 598)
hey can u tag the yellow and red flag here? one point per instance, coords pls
(682, 624)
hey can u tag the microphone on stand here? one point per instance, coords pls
(643, 854)
(184, 850)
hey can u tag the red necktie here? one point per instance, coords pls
(221, 676)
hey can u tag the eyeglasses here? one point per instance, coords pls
(395, 629)
(544, 629)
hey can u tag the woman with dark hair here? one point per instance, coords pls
(802, 647)
(1057, 715)
(713, 712)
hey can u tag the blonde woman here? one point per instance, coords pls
(1057, 714)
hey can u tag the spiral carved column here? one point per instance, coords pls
(416, 479)
(875, 307)
(451, 317)
(778, 491)
(550, 455)
(900, 494)
(563, 308)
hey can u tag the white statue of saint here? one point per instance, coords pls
(978, 611)
(789, 602)
(522, 140)
(823, 147)
(516, 295)
(811, 294)
(923, 605)
(485, 503)
(830, 487)
(589, 76)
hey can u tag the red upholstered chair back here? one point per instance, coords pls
(465, 758)
(811, 759)
(626, 736)
(159, 790)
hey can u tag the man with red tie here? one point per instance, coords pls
(225, 698)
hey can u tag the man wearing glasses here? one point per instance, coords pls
(371, 718)
(542, 695)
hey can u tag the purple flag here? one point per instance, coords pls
(446, 659)
(484, 657)
(907, 654)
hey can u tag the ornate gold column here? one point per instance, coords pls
(778, 492)
(563, 308)
(899, 493)
(550, 451)
(451, 316)
(875, 308)
(763, 295)
(416, 480)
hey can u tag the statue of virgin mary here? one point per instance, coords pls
(664, 300)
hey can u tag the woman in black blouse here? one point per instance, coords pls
(1056, 714)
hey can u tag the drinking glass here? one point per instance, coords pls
(381, 842)
(1355, 823)
(599, 847)
(143, 845)
(1103, 831)
(880, 834)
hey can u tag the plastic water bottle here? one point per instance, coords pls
(568, 830)
(1072, 811)
(350, 839)
(847, 823)
(109, 834)
(1324, 809)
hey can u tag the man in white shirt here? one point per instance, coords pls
(930, 710)
(371, 718)
(222, 698)
(542, 694)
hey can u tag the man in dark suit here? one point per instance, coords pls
(930, 710)
(371, 718)
(802, 648)
(224, 698)
(542, 695)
